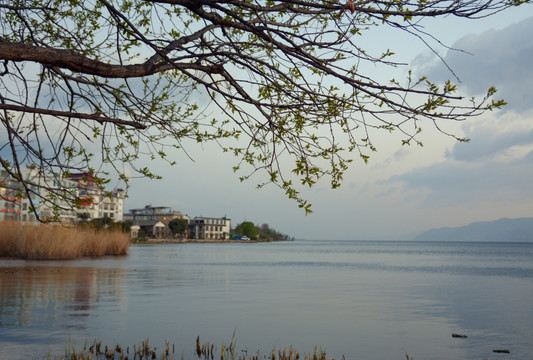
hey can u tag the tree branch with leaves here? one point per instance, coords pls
(106, 85)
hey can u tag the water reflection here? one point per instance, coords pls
(364, 300)
(47, 296)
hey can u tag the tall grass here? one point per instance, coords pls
(207, 351)
(56, 242)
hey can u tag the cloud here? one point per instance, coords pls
(529, 158)
(456, 182)
(487, 145)
(500, 58)
(403, 189)
(495, 167)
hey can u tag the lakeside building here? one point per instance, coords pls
(21, 209)
(12, 208)
(63, 209)
(96, 203)
(153, 220)
(210, 228)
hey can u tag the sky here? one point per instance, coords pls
(402, 191)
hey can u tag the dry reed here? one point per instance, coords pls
(56, 242)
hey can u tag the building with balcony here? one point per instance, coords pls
(12, 208)
(96, 203)
(15, 206)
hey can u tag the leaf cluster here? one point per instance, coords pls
(110, 86)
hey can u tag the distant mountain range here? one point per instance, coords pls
(507, 230)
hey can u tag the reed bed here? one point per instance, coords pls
(56, 242)
(205, 351)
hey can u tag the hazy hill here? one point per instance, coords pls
(510, 230)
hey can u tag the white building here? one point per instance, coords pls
(94, 203)
(210, 228)
(14, 208)
(63, 208)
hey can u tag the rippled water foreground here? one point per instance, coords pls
(366, 300)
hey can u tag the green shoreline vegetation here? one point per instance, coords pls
(57, 242)
(260, 233)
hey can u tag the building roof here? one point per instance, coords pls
(148, 223)
(151, 210)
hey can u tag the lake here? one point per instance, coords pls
(362, 299)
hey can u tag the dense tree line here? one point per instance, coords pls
(260, 233)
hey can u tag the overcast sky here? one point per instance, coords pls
(403, 190)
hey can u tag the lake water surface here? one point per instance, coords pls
(365, 300)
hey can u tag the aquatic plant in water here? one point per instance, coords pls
(204, 351)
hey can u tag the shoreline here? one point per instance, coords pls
(199, 241)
